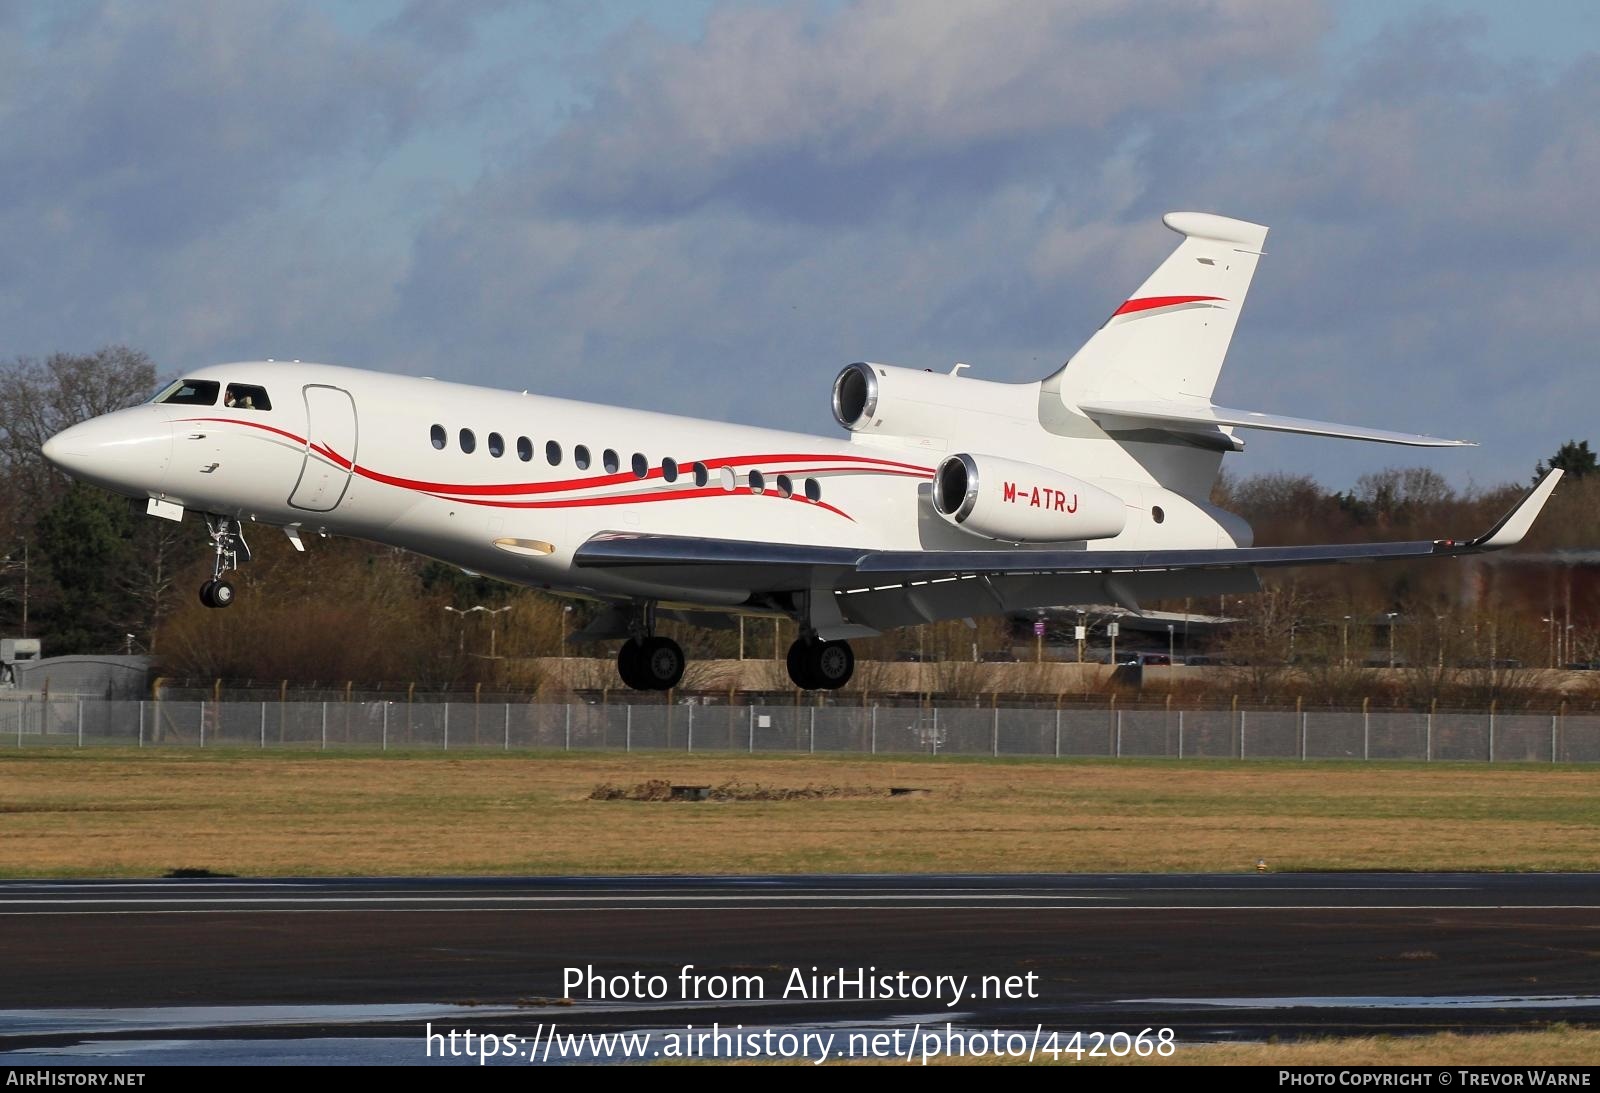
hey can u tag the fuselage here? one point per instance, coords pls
(510, 484)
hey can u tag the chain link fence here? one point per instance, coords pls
(37, 721)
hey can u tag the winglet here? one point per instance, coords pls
(1511, 527)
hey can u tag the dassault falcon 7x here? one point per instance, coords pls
(951, 497)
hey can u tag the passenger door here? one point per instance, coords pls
(331, 436)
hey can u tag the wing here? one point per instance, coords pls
(883, 588)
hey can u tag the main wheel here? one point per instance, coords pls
(628, 658)
(799, 664)
(832, 664)
(661, 663)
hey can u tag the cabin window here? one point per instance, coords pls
(469, 443)
(552, 453)
(669, 470)
(1158, 515)
(813, 490)
(785, 487)
(246, 396)
(580, 457)
(758, 483)
(701, 475)
(524, 448)
(729, 479)
(612, 462)
(497, 445)
(193, 393)
(437, 435)
(641, 466)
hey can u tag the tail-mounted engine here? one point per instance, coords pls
(1023, 503)
(909, 402)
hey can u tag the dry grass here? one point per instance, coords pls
(133, 813)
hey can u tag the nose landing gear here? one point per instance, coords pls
(227, 539)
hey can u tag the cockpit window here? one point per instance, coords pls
(192, 393)
(244, 396)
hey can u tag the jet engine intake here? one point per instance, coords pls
(1023, 503)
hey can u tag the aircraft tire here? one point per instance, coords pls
(628, 665)
(222, 594)
(660, 663)
(799, 664)
(832, 663)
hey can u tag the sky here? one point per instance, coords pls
(711, 208)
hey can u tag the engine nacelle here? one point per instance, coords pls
(909, 402)
(1023, 503)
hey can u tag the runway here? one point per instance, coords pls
(356, 969)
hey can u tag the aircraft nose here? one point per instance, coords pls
(125, 452)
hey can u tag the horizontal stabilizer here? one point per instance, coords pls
(1199, 413)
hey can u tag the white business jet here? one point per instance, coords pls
(951, 496)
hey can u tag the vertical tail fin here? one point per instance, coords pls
(1167, 340)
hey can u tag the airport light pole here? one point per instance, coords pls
(1344, 644)
(461, 645)
(1392, 616)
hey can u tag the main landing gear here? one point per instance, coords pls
(647, 661)
(817, 665)
(227, 539)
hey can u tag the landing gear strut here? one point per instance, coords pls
(227, 539)
(647, 661)
(816, 665)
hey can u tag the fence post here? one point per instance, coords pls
(1304, 724)
(447, 724)
(568, 745)
(812, 734)
(1119, 734)
(1552, 738)
(202, 722)
(324, 725)
(936, 730)
(691, 726)
(874, 728)
(1180, 734)
(386, 726)
(627, 729)
(750, 733)
(508, 726)
(141, 722)
(994, 734)
(1058, 732)
(80, 722)
(1366, 727)
(27, 704)
(1427, 754)
(263, 726)
(1492, 703)
(1241, 734)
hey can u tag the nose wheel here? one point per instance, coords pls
(227, 541)
(217, 593)
(820, 665)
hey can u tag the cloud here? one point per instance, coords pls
(827, 114)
